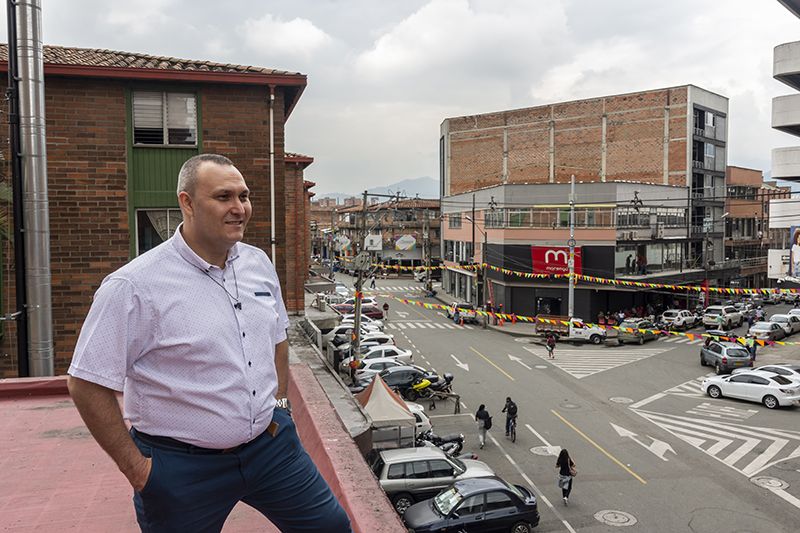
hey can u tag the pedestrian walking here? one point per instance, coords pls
(566, 474)
(752, 346)
(386, 311)
(372, 281)
(174, 319)
(550, 343)
(484, 421)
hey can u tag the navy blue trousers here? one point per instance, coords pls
(195, 492)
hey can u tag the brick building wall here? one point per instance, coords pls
(87, 186)
(631, 149)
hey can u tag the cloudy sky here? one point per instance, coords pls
(383, 74)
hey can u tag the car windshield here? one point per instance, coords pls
(738, 352)
(762, 325)
(447, 500)
(713, 310)
(465, 306)
(781, 380)
(778, 318)
(670, 314)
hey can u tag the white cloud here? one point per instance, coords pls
(138, 18)
(274, 36)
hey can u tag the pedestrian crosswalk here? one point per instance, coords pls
(426, 325)
(676, 339)
(689, 388)
(580, 363)
(395, 288)
(718, 411)
(747, 449)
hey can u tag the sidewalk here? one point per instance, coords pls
(520, 329)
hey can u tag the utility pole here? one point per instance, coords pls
(475, 284)
(362, 234)
(427, 251)
(571, 243)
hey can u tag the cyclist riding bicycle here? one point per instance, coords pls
(510, 409)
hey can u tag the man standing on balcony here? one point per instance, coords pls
(194, 334)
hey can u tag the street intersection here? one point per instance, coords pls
(653, 452)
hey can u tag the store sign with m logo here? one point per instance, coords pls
(554, 259)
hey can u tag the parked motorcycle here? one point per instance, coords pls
(451, 444)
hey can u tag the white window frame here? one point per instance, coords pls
(164, 118)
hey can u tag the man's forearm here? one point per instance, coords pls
(282, 368)
(100, 412)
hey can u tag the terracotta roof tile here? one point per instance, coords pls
(94, 57)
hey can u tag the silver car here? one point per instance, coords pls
(408, 475)
(767, 331)
(725, 356)
(789, 323)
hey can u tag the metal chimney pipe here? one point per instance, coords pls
(35, 200)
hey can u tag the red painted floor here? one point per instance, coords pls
(54, 477)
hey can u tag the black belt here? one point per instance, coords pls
(179, 446)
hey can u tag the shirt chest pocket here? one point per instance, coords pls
(265, 315)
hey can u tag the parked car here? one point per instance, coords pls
(344, 331)
(789, 323)
(366, 300)
(487, 504)
(790, 297)
(365, 321)
(342, 289)
(369, 367)
(372, 311)
(795, 311)
(422, 275)
(423, 421)
(789, 370)
(756, 301)
(465, 310)
(381, 351)
(745, 308)
(680, 319)
(369, 340)
(730, 317)
(408, 475)
(725, 356)
(636, 330)
(400, 378)
(767, 331)
(763, 387)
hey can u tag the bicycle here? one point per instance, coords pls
(512, 429)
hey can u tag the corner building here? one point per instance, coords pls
(650, 174)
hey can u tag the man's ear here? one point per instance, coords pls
(186, 203)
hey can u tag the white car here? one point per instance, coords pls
(789, 323)
(383, 351)
(365, 321)
(788, 370)
(370, 367)
(722, 317)
(342, 290)
(772, 390)
(344, 330)
(795, 311)
(680, 318)
(423, 422)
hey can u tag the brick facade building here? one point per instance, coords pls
(650, 174)
(112, 175)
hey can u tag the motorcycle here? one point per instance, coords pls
(443, 384)
(421, 388)
(451, 444)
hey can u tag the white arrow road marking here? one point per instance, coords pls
(518, 360)
(402, 314)
(465, 366)
(657, 447)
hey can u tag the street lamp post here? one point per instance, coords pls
(571, 243)
(482, 300)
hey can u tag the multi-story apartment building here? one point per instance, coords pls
(650, 173)
(398, 228)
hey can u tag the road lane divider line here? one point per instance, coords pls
(506, 374)
(600, 448)
(530, 482)
(544, 441)
(652, 398)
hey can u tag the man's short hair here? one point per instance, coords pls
(187, 177)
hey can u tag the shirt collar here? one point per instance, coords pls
(191, 256)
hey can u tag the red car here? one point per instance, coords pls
(371, 311)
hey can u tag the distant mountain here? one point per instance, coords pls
(425, 187)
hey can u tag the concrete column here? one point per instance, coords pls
(603, 146)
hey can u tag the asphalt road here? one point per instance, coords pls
(653, 453)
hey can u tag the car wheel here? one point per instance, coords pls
(714, 391)
(521, 527)
(718, 369)
(641, 340)
(411, 395)
(702, 360)
(595, 339)
(730, 324)
(770, 402)
(402, 502)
